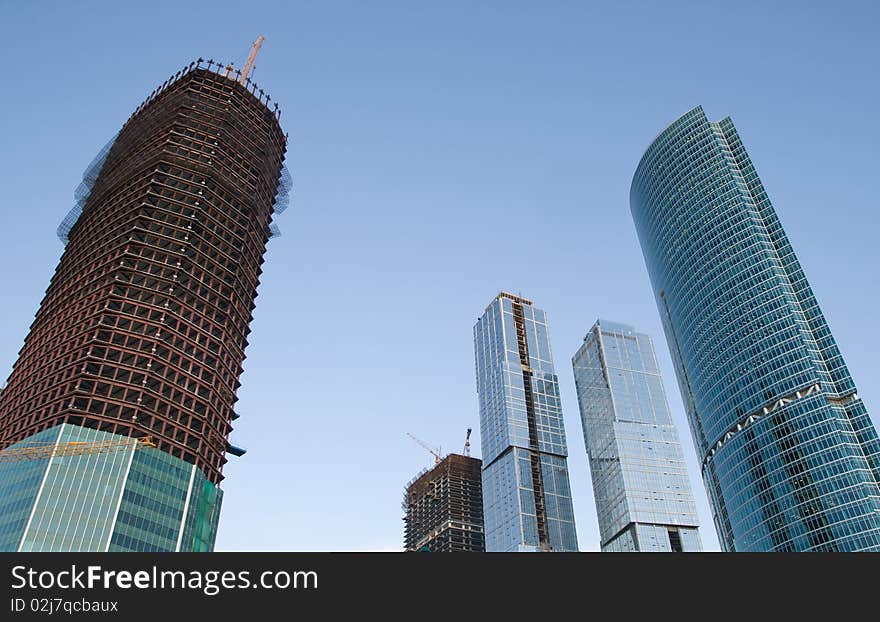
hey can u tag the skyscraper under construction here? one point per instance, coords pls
(114, 423)
(444, 508)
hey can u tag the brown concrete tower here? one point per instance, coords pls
(143, 328)
(444, 507)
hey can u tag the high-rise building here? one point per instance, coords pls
(443, 508)
(640, 481)
(526, 493)
(789, 455)
(142, 331)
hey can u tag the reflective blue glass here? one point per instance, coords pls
(789, 455)
(526, 493)
(643, 496)
(120, 499)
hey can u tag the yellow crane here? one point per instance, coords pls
(434, 452)
(42, 451)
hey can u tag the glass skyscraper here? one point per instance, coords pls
(790, 457)
(640, 482)
(526, 493)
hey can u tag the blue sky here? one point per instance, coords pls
(442, 151)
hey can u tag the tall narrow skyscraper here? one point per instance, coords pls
(526, 493)
(640, 481)
(789, 455)
(115, 421)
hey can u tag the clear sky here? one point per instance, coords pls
(442, 151)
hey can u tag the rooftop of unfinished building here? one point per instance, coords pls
(227, 71)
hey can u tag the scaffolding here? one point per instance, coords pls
(44, 451)
(443, 507)
(82, 192)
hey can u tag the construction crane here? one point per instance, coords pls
(434, 452)
(252, 57)
(467, 443)
(43, 451)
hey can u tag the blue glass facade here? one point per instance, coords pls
(640, 482)
(526, 493)
(790, 457)
(129, 499)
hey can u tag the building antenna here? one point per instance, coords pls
(249, 65)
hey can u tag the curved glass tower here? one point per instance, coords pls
(790, 458)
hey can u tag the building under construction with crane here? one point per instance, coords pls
(443, 506)
(115, 422)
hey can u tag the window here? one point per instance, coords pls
(675, 541)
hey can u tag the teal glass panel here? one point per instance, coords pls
(124, 499)
(77, 504)
(19, 484)
(153, 502)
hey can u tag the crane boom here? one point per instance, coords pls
(467, 443)
(252, 57)
(434, 452)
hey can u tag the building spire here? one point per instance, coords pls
(249, 65)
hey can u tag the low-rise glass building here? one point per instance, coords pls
(71, 488)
